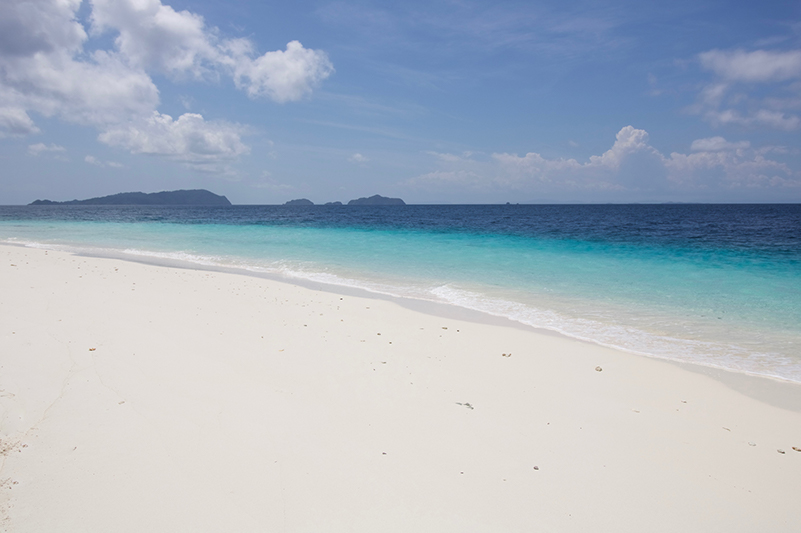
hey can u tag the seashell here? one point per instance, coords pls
(536, 468)
(598, 369)
(752, 443)
(780, 451)
(797, 449)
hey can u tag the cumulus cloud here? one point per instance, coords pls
(628, 141)
(200, 144)
(153, 36)
(631, 168)
(283, 75)
(15, 122)
(48, 66)
(631, 163)
(39, 148)
(358, 158)
(757, 66)
(737, 95)
(43, 69)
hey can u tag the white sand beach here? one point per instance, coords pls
(142, 398)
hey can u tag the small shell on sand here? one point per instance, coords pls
(536, 468)
(752, 443)
(780, 451)
(598, 369)
(797, 449)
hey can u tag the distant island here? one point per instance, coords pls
(196, 197)
(300, 201)
(377, 200)
(373, 200)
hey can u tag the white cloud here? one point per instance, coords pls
(358, 158)
(534, 165)
(39, 26)
(729, 170)
(605, 171)
(630, 169)
(757, 66)
(39, 148)
(43, 69)
(15, 122)
(283, 75)
(92, 160)
(153, 36)
(628, 141)
(717, 144)
(763, 117)
(201, 145)
(751, 88)
(47, 68)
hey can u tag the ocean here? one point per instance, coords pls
(715, 285)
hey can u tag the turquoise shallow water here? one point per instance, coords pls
(661, 283)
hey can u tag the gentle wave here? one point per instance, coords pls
(715, 355)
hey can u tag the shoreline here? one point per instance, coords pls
(219, 401)
(747, 382)
(775, 390)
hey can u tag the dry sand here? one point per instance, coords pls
(141, 398)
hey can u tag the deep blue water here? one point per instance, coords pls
(712, 284)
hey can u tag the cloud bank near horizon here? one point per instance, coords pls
(631, 168)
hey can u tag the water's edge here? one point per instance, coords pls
(772, 390)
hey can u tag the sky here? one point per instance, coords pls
(447, 102)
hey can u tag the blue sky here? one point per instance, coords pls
(435, 102)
